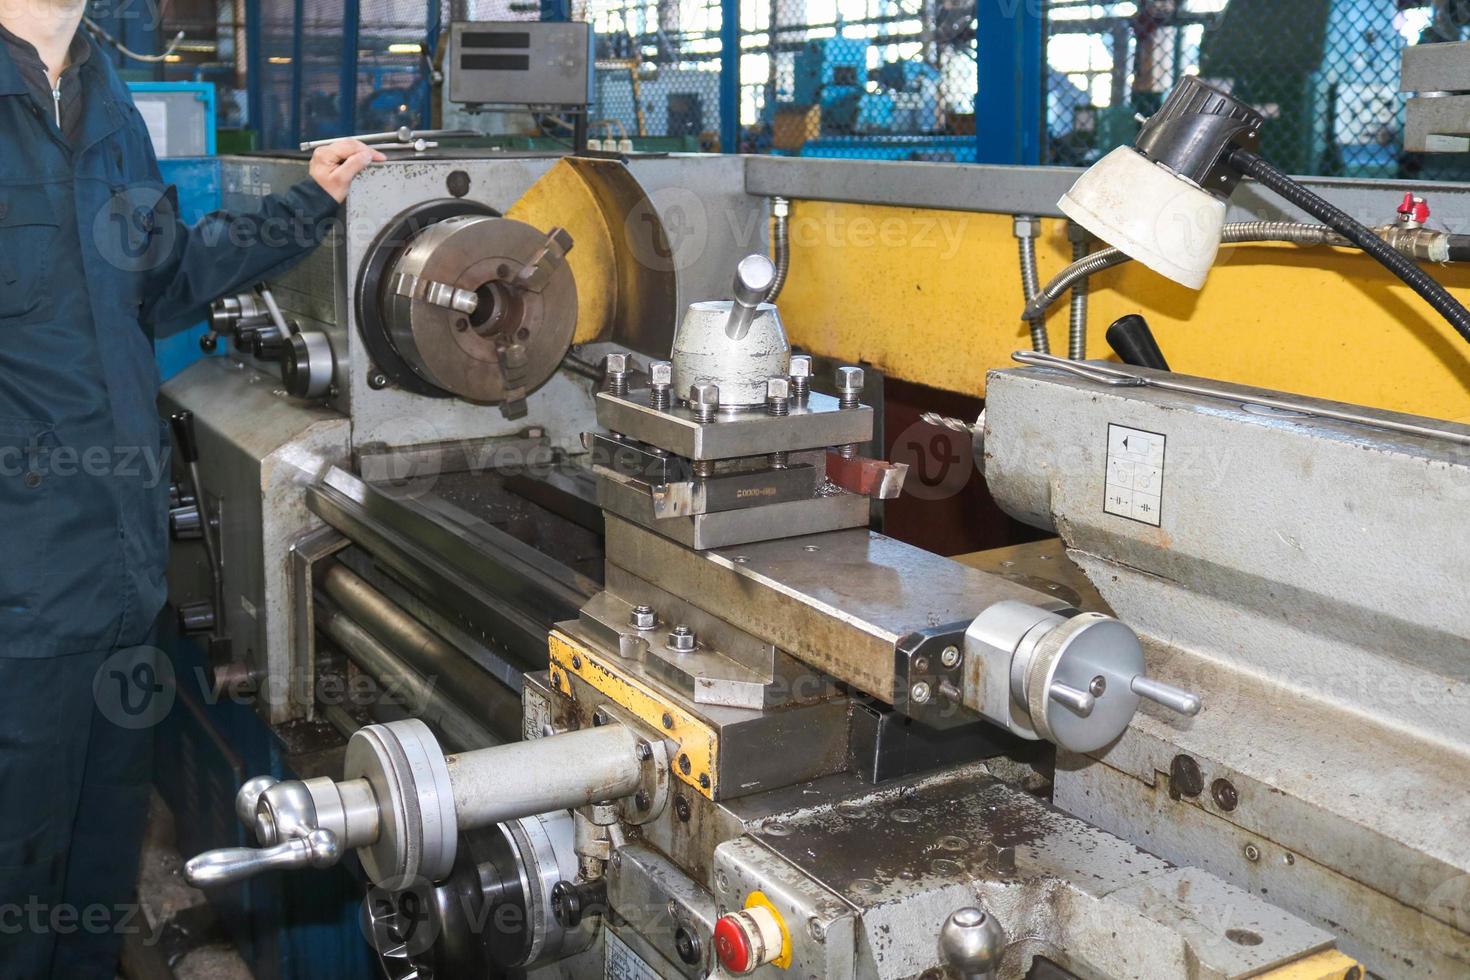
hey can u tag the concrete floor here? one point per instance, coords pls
(183, 939)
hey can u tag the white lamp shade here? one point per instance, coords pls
(1149, 214)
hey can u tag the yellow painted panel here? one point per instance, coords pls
(561, 198)
(1326, 965)
(934, 297)
(694, 738)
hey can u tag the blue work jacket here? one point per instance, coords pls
(94, 263)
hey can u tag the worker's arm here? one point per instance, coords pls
(227, 252)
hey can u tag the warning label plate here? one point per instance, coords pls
(1135, 477)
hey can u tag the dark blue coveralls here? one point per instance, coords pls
(93, 264)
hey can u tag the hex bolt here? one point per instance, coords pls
(704, 401)
(682, 639)
(801, 378)
(778, 405)
(643, 618)
(849, 396)
(682, 809)
(615, 375)
(642, 800)
(778, 397)
(660, 385)
(377, 380)
(950, 657)
(644, 752)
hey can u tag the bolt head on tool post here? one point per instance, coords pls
(704, 400)
(850, 380)
(801, 367)
(661, 374)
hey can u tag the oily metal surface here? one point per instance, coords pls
(461, 352)
(901, 855)
(839, 601)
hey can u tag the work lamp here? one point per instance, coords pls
(1162, 200)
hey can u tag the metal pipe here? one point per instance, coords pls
(1077, 327)
(426, 652)
(1238, 233)
(1028, 229)
(380, 664)
(507, 782)
(781, 245)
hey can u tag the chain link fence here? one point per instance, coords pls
(874, 79)
(1324, 72)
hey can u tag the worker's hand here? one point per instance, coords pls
(334, 166)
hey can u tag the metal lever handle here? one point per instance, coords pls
(274, 309)
(1171, 697)
(183, 426)
(1079, 701)
(247, 799)
(753, 278)
(228, 865)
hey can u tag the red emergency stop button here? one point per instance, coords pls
(748, 939)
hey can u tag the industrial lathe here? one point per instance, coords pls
(526, 451)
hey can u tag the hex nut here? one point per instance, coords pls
(643, 618)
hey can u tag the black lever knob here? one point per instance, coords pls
(1134, 343)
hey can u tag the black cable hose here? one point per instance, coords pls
(1359, 234)
(1459, 248)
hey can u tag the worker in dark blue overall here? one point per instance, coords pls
(94, 264)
